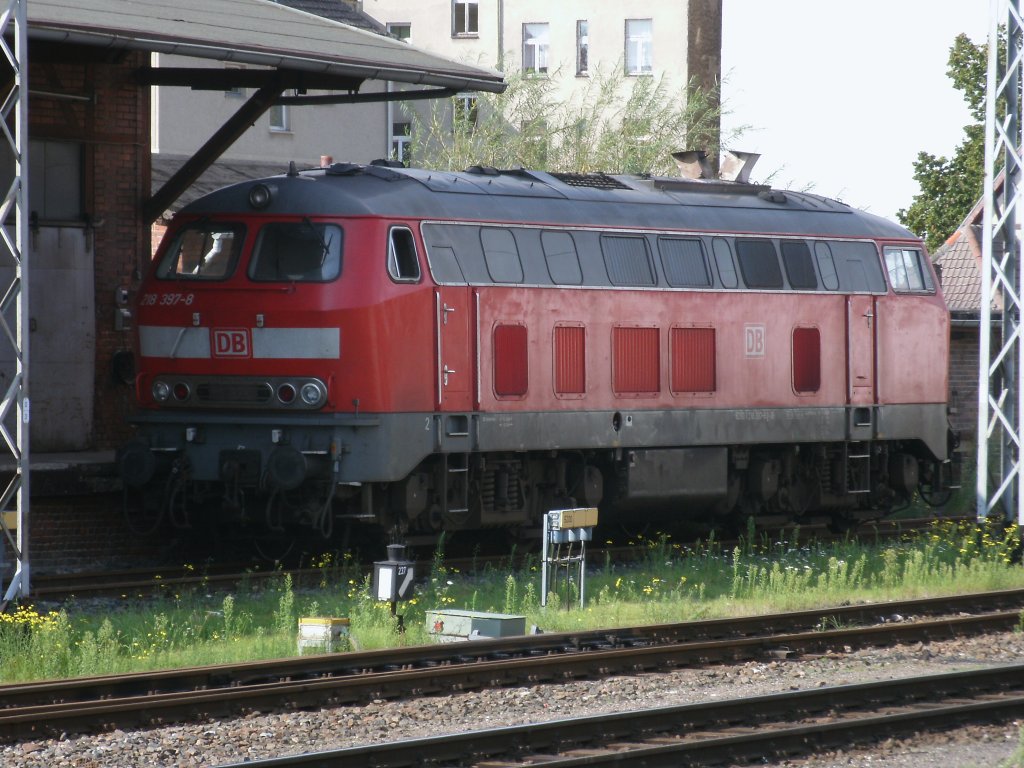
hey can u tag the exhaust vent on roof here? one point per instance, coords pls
(694, 164)
(736, 165)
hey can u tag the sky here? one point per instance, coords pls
(840, 97)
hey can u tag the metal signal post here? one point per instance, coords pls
(14, 27)
(1000, 491)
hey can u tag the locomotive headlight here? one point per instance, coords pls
(286, 393)
(259, 196)
(311, 394)
(161, 391)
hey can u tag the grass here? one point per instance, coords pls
(671, 583)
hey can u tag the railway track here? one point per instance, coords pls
(142, 582)
(36, 710)
(732, 731)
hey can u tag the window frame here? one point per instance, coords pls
(740, 244)
(401, 143)
(823, 258)
(467, 111)
(254, 257)
(493, 254)
(470, 26)
(539, 51)
(631, 40)
(791, 263)
(582, 48)
(642, 238)
(923, 273)
(162, 267)
(281, 125)
(394, 262)
(723, 252)
(662, 252)
(396, 28)
(545, 238)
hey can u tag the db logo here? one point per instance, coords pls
(231, 342)
(753, 336)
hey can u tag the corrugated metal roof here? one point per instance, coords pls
(338, 10)
(256, 32)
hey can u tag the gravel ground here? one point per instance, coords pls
(259, 736)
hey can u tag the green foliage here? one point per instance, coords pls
(1016, 760)
(951, 186)
(617, 125)
(284, 618)
(671, 582)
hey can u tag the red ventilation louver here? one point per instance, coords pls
(693, 360)
(570, 360)
(806, 360)
(511, 369)
(635, 369)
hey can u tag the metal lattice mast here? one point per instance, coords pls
(13, 26)
(1001, 358)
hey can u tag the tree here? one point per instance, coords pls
(950, 187)
(617, 126)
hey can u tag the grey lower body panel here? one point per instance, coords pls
(387, 447)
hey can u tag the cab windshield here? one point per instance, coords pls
(302, 251)
(203, 250)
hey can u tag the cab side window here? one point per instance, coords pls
(403, 264)
(907, 273)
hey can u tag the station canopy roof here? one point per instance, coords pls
(324, 54)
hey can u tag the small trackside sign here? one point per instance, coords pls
(231, 342)
(753, 338)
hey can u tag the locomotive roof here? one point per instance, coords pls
(536, 197)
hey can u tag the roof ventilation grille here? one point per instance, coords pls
(593, 180)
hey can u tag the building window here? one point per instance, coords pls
(535, 48)
(582, 41)
(638, 46)
(237, 91)
(466, 111)
(401, 142)
(56, 179)
(465, 18)
(401, 31)
(279, 118)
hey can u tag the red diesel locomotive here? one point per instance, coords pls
(429, 350)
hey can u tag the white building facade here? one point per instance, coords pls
(567, 41)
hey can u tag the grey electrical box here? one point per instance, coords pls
(450, 626)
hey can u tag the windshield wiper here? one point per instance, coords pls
(325, 244)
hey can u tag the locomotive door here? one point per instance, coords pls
(455, 348)
(860, 345)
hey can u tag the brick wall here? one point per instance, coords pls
(963, 381)
(114, 128)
